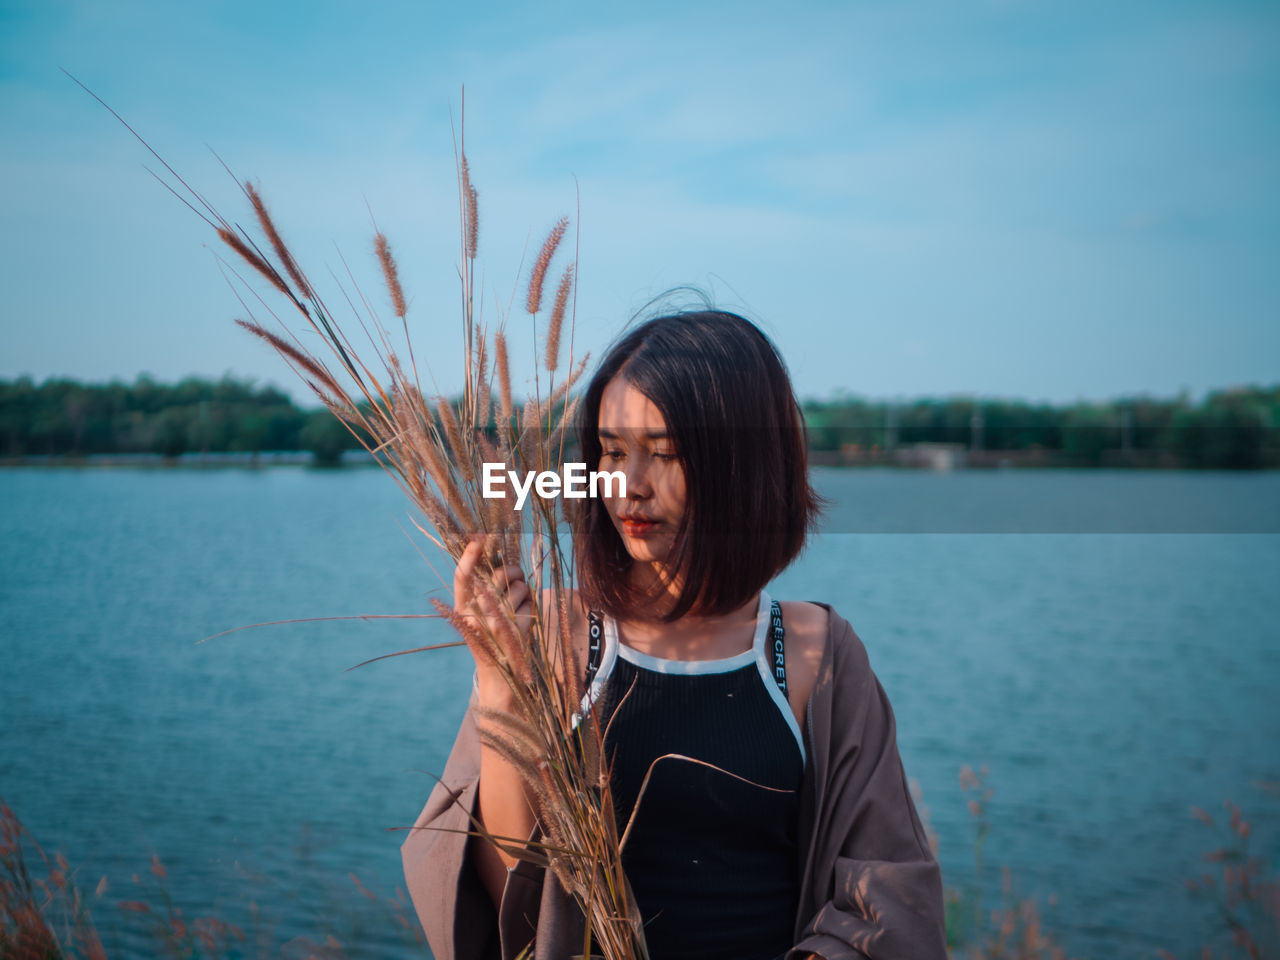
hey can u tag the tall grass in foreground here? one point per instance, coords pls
(434, 449)
(44, 916)
(1011, 931)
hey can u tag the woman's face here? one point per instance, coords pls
(634, 441)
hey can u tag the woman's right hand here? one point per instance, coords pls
(506, 605)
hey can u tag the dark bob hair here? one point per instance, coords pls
(740, 438)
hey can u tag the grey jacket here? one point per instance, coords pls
(869, 885)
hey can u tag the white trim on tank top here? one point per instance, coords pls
(614, 648)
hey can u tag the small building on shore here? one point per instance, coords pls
(932, 456)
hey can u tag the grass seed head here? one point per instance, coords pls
(391, 273)
(252, 258)
(539, 275)
(277, 243)
(504, 377)
(473, 222)
(552, 357)
(292, 353)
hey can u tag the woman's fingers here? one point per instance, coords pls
(523, 610)
(506, 576)
(492, 595)
(468, 563)
(462, 574)
(519, 597)
(516, 600)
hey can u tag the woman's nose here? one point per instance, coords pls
(638, 485)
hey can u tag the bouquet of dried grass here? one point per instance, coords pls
(434, 449)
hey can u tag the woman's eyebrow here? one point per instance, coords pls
(606, 434)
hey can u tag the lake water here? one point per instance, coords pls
(1110, 681)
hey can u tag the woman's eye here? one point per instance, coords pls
(613, 454)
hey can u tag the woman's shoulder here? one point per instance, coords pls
(821, 644)
(816, 631)
(819, 627)
(807, 626)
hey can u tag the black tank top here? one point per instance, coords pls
(712, 859)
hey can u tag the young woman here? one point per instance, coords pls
(812, 847)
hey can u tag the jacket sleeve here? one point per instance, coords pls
(874, 890)
(452, 903)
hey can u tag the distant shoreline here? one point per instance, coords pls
(218, 424)
(187, 461)
(941, 458)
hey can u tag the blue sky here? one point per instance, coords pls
(1047, 201)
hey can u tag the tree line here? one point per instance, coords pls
(1230, 429)
(1233, 429)
(61, 417)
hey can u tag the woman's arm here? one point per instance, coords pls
(502, 804)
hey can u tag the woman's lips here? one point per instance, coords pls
(638, 528)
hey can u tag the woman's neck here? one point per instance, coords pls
(693, 637)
